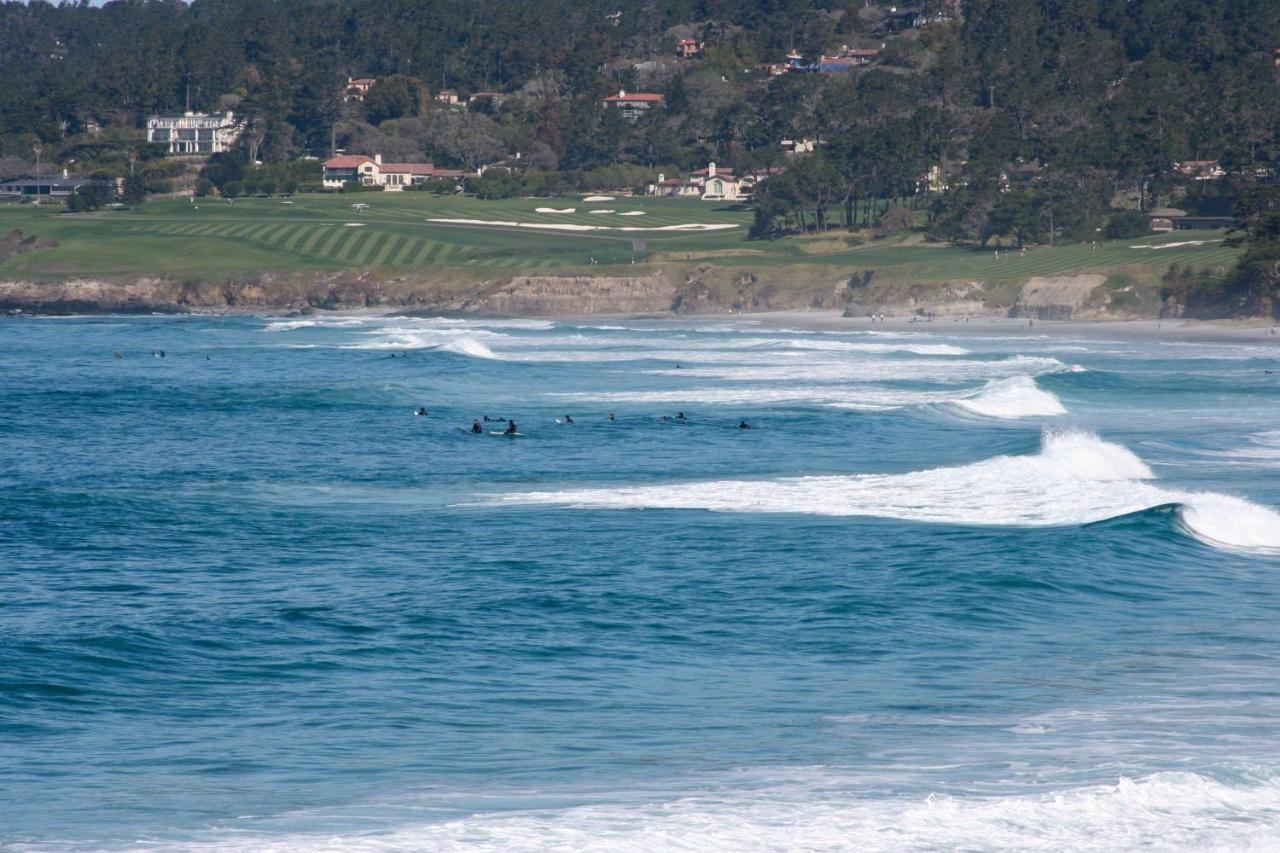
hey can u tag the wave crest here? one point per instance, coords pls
(1011, 398)
(1076, 478)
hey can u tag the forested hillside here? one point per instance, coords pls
(1029, 121)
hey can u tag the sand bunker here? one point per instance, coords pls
(353, 224)
(547, 226)
(1183, 243)
(602, 210)
(553, 210)
(632, 213)
(598, 198)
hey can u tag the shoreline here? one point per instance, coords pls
(1238, 331)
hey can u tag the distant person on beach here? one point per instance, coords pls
(511, 428)
(476, 428)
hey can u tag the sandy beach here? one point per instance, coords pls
(1202, 331)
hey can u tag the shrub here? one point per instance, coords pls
(1124, 224)
(233, 189)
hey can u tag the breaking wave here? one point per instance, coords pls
(1014, 397)
(468, 346)
(1076, 478)
(820, 809)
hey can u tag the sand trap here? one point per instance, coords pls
(553, 210)
(632, 213)
(1183, 243)
(547, 226)
(602, 210)
(599, 198)
(353, 224)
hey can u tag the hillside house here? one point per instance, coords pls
(55, 186)
(195, 133)
(633, 104)
(448, 97)
(357, 88)
(709, 184)
(798, 146)
(689, 49)
(1199, 170)
(372, 172)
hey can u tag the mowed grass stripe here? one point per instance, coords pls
(329, 248)
(352, 247)
(392, 245)
(406, 250)
(317, 234)
(295, 240)
(376, 247)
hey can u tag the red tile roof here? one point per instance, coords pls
(348, 161)
(647, 97)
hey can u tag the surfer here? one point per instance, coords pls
(664, 419)
(744, 425)
(568, 419)
(422, 412)
(511, 428)
(680, 417)
(476, 428)
(611, 417)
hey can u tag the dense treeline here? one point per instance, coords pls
(1003, 120)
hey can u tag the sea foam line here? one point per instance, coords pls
(820, 810)
(1076, 478)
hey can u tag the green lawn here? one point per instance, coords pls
(322, 232)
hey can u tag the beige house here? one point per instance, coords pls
(358, 87)
(709, 184)
(372, 172)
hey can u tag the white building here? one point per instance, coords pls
(372, 172)
(195, 133)
(709, 184)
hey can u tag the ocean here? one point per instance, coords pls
(949, 591)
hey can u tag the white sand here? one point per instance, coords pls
(553, 210)
(548, 226)
(602, 210)
(1183, 243)
(354, 224)
(598, 198)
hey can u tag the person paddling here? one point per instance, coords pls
(744, 425)
(476, 428)
(511, 428)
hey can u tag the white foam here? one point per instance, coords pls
(1076, 478)
(468, 346)
(816, 809)
(1014, 397)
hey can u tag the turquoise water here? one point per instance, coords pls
(949, 592)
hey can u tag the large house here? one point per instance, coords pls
(358, 87)
(709, 184)
(372, 172)
(633, 104)
(689, 48)
(55, 186)
(195, 133)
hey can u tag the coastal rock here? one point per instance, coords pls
(545, 296)
(1058, 297)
